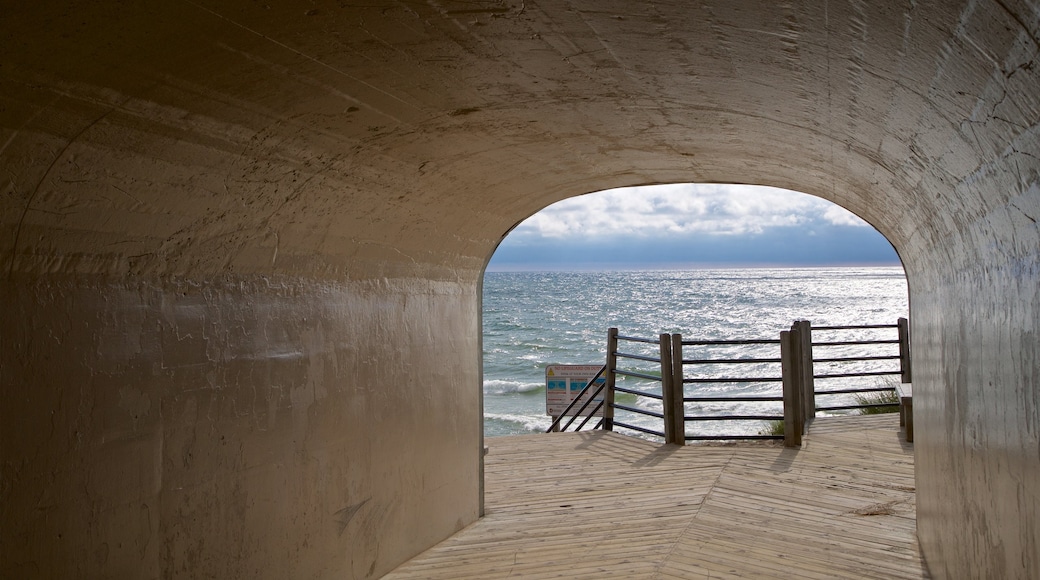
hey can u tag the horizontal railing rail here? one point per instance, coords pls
(733, 380)
(859, 374)
(855, 327)
(733, 399)
(638, 428)
(639, 339)
(637, 375)
(637, 357)
(853, 391)
(639, 393)
(854, 342)
(854, 358)
(718, 361)
(638, 411)
(730, 342)
(733, 418)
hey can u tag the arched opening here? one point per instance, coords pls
(712, 261)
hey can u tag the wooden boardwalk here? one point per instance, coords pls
(596, 504)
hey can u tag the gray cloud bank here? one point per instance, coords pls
(691, 226)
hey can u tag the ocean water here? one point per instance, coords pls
(532, 319)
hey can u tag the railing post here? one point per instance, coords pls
(678, 392)
(793, 420)
(608, 407)
(668, 410)
(797, 376)
(806, 371)
(904, 351)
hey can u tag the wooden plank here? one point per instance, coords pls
(583, 505)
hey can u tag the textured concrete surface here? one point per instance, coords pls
(241, 246)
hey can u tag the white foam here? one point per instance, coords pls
(501, 387)
(529, 423)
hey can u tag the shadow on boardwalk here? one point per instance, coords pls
(595, 504)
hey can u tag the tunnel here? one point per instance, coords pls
(242, 244)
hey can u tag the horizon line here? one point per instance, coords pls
(600, 267)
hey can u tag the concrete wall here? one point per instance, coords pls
(241, 246)
(260, 428)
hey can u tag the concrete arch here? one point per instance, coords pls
(241, 244)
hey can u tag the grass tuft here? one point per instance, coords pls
(887, 398)
(775, 428)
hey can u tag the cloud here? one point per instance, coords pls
(839, 216)
(691, 226)
(643, 212)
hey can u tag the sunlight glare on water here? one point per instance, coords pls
(532, 319)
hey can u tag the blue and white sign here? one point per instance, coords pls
(563, 383)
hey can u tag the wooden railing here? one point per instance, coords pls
(737, 376)
(898, 353)
(796, 376)
(613, 370)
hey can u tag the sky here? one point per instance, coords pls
(691, 226)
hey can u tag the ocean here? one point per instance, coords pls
(534, 319)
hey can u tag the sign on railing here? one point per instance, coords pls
(563, 383)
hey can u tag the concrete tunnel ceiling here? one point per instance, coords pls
(359, 165)
(261, 128)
